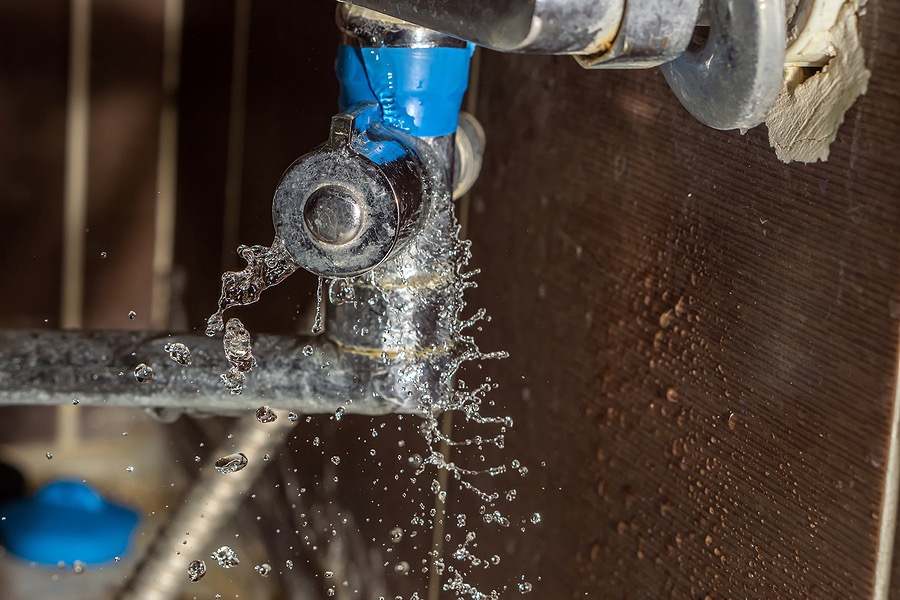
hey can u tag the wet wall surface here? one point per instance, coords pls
(703, 340)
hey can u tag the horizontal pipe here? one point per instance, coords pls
(96, 368)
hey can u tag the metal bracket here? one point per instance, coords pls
(731, 79)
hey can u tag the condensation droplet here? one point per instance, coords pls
(307, 350)
(131, 314)
(336, 460)
(536, 518)
(264, 569)
(339, 413)
(292, 417)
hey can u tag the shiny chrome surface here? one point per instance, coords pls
(652, 32)
(537, 26)
(366, 28)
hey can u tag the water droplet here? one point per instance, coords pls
(340, 291)
(307, 350)
(339, 413)
(536, 518)
(402, 567)
(131, 314)
(328, 574)
(231, 463)
(666, 319)
(292, 417)
(336, 460)
(672, 395)
(179, 353)
(49, 456)
(144, 373)
(74, 401)
(103, 255)
(239, 353)
(317, 322)
(289, 564)
(226, 557)
(524, 587)
(265, 414)
(78, 567)
(130, 468)
(396, 534)
(264, 569)
(196, 570)
(732, 420)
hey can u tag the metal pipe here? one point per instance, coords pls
(210, 503)
(305, 374)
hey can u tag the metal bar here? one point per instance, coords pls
(76, 189)
(167, 167)
(304, 374)
(237, 120)
(211, 502)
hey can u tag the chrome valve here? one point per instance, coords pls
(345, 207)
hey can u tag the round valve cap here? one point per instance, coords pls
(341, 212)
(333, 215)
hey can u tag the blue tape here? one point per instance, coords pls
(419, 90)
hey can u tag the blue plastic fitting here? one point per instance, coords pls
(66, 521)
(419, 90)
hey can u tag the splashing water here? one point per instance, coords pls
(143, 373)
(196, 570)
(226, 557)
(179, 353)
(269, 266)
(266, 266)
(231, 463)
(239, 353)
(265, 414)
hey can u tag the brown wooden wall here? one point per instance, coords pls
(703, 340)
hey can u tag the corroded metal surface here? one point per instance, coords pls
(96, 368)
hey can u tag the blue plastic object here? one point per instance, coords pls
(67, 521)
(419, 90)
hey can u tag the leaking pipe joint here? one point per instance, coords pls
(348, 205)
